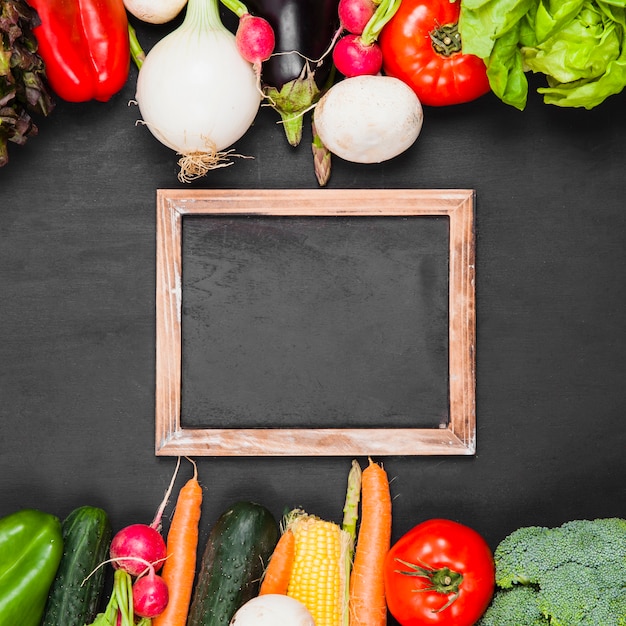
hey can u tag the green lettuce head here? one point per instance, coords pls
(579, 45)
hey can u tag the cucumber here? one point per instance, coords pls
(86, 539)
(236, 553)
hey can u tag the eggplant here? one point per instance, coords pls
(295, 76)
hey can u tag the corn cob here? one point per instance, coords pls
(319, 577)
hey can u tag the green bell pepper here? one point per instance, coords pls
(31, 546)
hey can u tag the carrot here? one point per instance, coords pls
(182, 544)
(368, 606)
(278, 571)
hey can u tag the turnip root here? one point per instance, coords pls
(368, 119)
(155, 11)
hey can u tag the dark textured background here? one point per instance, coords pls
(77, 331)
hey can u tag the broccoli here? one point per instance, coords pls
(574, 575)
(514, 607)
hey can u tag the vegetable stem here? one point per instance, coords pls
(351, 506)
(236, 6)
(350, 511)
(384, 12)
(136, 51)
(121, 601)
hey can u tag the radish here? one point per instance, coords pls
(139, 546)
(355, 14)
(255, 40)
(353, 57)
(368, 119)
(135, 545)
(137, 552)
(150, 595)
(358, 53)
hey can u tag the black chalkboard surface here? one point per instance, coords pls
(315, 322)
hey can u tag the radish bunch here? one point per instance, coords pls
(137, 553)
(357, 52)
(140, 550)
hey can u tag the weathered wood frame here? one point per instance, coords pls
(459, 435)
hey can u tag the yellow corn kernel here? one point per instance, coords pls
(319, 577)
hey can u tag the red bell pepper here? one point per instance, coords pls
(85, 47)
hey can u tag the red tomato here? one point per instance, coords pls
(440, 572)
(422, 46)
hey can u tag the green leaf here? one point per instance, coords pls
(482, 22)
(506, 72)
(589, 93)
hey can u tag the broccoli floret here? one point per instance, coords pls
(514, 607)
(574, 594)
(577, 571)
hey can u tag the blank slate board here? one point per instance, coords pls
(315, 322)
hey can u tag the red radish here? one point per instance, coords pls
(138, 546)
(355, 14)
(255, 40)
(353, 57)
(358, 54)
(135, 545)
(150, 595)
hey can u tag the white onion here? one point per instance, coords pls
(196, 93)
(272, 610)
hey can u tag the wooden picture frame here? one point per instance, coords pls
(456, 437)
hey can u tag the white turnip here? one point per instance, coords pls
(272, 610)
(155, 11)
(368, 119)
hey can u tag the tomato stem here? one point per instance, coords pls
(446, 39)
(444, 580)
